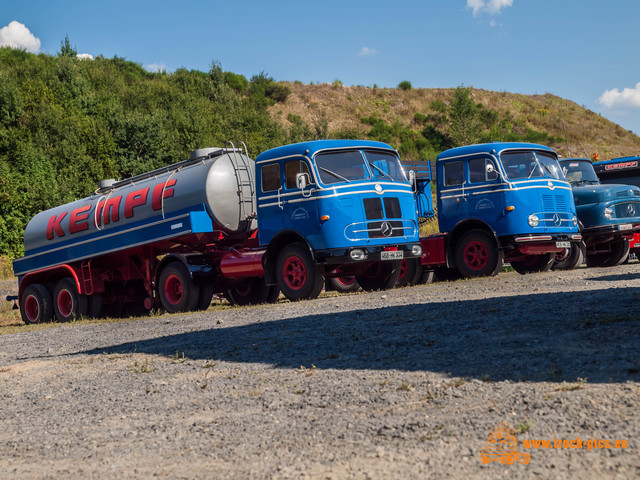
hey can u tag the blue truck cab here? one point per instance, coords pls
(504, 202)
(334, 208)
(609, 214)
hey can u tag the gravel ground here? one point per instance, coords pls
(406, 383)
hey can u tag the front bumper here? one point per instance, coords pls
(337, 256)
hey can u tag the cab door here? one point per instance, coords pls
(485, 200)
(270, 202)
(300, 206)
(452, 198)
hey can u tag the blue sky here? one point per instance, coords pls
(586, 51)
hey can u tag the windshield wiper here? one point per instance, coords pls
(382, 171)
(337, 175)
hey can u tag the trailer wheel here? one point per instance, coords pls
(251, 291)
(36, 305)
(380, 276)
(570, 258)
(534, 263)
(205, 296)
(343, 284)
(176, 290)
(68, 304)
(477, 255)
(617, 255)
(298, 276)
(427, 277)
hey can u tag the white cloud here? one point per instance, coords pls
(16, 35)
(489, 6)
(156, 68)
(367, 51)
(628, 97)
(85, 56)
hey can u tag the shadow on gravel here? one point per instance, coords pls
(617, 278)
(594, 335)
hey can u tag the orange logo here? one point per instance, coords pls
(502, 447)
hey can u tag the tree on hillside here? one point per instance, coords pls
(464, 122)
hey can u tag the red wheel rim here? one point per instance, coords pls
(173, 289)
(294, 273)
(65, 303)
(476, 255)
(32, 308)
(403, 269)
(346, 281)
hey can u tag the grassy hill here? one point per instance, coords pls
(572, 130)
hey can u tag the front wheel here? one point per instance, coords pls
(297, 274)
(477, 254)
(176, 290)
(410, 272)
(618, 253)
(534, 263)
(380, 276)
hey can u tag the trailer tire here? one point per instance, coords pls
(298, 276)
(427, 277)
(380, 276)
(618, 254)
(95, 305)
(477, 255)
(176, 290)
(343, 284)
(251, 291)
(205, 296)
(570, 259)
(68, 304)
(534, 263)
(36, 305)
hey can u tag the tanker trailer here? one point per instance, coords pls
(156, 239)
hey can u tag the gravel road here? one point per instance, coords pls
(406, 383)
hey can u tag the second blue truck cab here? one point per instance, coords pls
(499, 202)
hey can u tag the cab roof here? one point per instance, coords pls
(617, 160)
(312, 147)
(494, 148)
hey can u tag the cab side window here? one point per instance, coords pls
(478, 170)
(453, 173)
(293, 168)
(270, 177)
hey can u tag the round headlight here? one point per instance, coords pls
(608, 212)
(357, 254)
(534, 220)
(416, 250)
(575, 221)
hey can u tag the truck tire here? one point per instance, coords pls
(534, 263)
(427, 277)
(410, 272)
(95, 305)
(343, 284)
(251, 291)
(205, 296)
(571, 257)
(616, 256)
(36, 305)
(274, 294)
(477, 255)
(298, 276)
(380, 276)
(176, 290)
(68, 304)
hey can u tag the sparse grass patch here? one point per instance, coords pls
(405, 387)
(522, 427)
(570, 387)
(139, 367)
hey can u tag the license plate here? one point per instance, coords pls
(625, 226)
(563, 244)
(397, 255)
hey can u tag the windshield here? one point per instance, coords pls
(530, 164)
(341, 167)
(579, 173)
(385, 166)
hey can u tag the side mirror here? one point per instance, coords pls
(492, 173)
(412, 179)
(301, 180)
(490, 168)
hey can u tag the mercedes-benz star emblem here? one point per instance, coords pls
(631, 210)
(386, 229)
(557, 221)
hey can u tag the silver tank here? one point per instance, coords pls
(221, 179)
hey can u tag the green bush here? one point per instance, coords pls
(404, 85)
